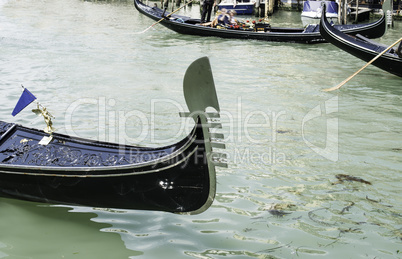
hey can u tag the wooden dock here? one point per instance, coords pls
(362, 14)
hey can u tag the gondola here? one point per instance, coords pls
(178, 178)
(260, 31)
(363, 48)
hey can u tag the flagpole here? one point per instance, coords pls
(36, 100)
(27, 98)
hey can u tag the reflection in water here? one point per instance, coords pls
(34, 230)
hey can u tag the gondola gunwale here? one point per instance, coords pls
(183, 147)
(86, 175)
(371, 30)
(362, 49)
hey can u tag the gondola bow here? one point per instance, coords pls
(177, 178)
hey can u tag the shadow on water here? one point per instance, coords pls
(35, 230)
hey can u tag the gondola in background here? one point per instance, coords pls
(387, 57)
(257, 31)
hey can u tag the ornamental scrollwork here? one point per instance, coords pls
(30, 153)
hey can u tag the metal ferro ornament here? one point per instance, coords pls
(46, 116)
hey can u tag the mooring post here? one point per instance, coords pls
(390, 16)
(271, 7)
(357, 11)
(257, 8)
(345, 12)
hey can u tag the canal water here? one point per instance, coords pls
(310, 173)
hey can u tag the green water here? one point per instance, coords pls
(286, 139)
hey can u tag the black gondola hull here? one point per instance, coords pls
(67, 173)
(157, 191)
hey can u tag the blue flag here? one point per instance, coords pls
(26, 98)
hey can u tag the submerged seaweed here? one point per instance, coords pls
(344, 177)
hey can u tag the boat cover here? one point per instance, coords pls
(314, 6)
